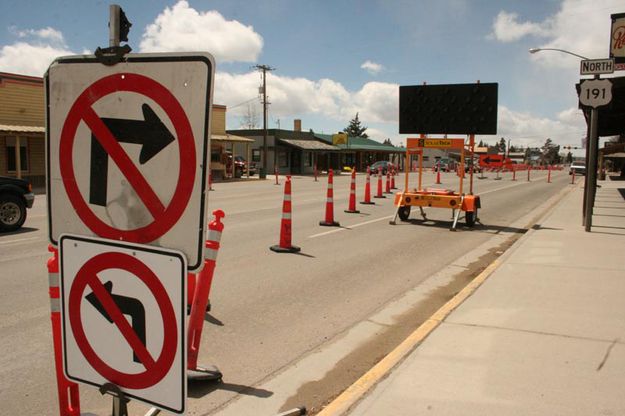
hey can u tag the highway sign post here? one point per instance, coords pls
(595, 92)
(128, 149)
(123, 310)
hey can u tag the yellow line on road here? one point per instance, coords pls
(357, 390)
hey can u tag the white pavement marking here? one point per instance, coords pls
(21, 240)
(350, 227)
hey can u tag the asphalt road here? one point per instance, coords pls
(270, 310)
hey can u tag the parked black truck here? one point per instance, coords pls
(15, 196)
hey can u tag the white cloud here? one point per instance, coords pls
(48, 34)
(182, 28)
(27, 59)
(507, 28)
(375, 101)
(372, 67)
(528, 130)
(579, 26)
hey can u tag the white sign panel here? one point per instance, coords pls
(596, 66)
(123, 318)
(128, 149)
(595, 92)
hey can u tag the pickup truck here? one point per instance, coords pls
(15, 196)
(578, 167)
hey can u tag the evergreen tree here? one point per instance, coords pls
(355, 129)
(569, 157)
(502, 145)
(550, 152)
(387, 142)
(481, 144)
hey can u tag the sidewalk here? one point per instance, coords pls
(543, 335)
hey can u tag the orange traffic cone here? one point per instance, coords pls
(393, 174)
(352, 195)
(329, 221)
(285, 226)
(367, 200)
(379, 193)
(388, 182)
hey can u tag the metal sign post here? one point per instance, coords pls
(593, 93)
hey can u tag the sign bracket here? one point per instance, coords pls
(120, 401)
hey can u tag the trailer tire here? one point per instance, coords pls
(404, 212)
(470, 217)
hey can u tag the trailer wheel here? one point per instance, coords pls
(470, 217)
(404, 212)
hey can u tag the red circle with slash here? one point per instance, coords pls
(155, 369)
(164, 217)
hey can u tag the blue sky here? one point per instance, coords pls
(334, 59)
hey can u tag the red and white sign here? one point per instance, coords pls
(491, 161)
(128, 149)
(123, 318)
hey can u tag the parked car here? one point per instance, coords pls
(239, 166)
(578, 167)
(384, 164)
(15, 196)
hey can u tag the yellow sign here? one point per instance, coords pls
(435, 143)
(339, 138)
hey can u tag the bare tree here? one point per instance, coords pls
(250, 119)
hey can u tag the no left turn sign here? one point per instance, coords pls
(128, 149)
(123, 313)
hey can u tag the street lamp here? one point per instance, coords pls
(534, 50)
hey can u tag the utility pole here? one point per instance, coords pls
(265, 68)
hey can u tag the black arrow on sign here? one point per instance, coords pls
(487, 160)
(150, 133)
(127, 306)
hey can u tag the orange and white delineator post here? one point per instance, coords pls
(352, 195)
(367, 200)
(69, 397)
(285, 245)
(329, 220)
(388, 182)
(549, 174)
(200, 301)
(393, 174)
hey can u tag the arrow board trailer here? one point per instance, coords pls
(128, 148)
(437, 197)
(123, 318)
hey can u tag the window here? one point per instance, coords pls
(12, 155)
(216, 154)
(255, 155)
(283, 161)
(308, 158)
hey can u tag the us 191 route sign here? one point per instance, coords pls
(123, 318)
(128, 147)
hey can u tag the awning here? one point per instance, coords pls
(5, 128)
(309, 145)
(619, 155)
(230, 138)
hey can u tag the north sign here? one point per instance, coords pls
(123, 318)
(596, 66)
(128, 149)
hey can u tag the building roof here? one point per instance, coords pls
(362, 143)
(230, 138)
(5, 128)
(310, 144)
